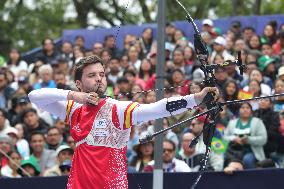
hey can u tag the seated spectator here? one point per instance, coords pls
(18, 105)
(246, 136)
(188, 154)
(278, 102)
(45, 73)
(133, 56)
(70, 141)
(32, 122)
(15, 63)
(109, 44)
(231, 91)
(179, 82)
(64, 156)
(170, 163)
(22, 144)
(10, 169)
(268, 67)
(53, 138)
(44, 157)
(30, 166)
(234, 165)
(48, 55)
(271, 121)
(67, 53)
(4, 122)
(265, 83)
(61, 80)
(114, 70)
(6, 92)
(6, 146)
(97, 48)
(279, 45)
(145, 154)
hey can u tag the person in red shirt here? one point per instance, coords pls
(101, 125)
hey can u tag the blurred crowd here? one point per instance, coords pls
(248, 135)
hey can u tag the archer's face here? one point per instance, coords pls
(93, 79)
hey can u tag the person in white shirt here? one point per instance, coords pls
(170, 163)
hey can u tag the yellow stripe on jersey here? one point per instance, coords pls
(128, 115)
(68, 110)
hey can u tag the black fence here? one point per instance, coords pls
(251, 179)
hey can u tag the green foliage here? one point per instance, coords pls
(24, 26)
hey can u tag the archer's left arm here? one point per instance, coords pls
(146, 112)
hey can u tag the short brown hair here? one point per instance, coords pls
(84, 62)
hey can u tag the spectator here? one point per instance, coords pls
(219, 45)
(178, 59)
(10, 169)
(6, 146)
(30, 166)
(234, 165)
(80, 42)
(271, 121)
(67, 53)
(145, 154)
(32, 122)
(246, 135)
(45, 73)
(231, 91)
(19, 104)
(114, 70)
(64, 153)
(15, 63)
(146, 40)
(170, 30)
(48, 55)
(248, 32)
(255, 43)
(4, 122)
(269, 34)
(146, 70)
(109, 43)
(189, 154)
(61, 81)
(133, 57)
(97, 48)
(279, 45)
(22, 144)
(44, 157)
(278, 102)
(179, 82)
(6, 92)
(170, 163)
(70, 141)
(133, 140)
(53, 138)
(208, 26)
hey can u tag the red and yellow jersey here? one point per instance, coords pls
(101, 134)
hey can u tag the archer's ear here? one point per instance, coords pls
(78, 84)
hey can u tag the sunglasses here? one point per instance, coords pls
(167, 150)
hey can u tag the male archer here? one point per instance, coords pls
(101, 125)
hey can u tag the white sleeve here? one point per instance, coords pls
(156, 110)
(51, 100)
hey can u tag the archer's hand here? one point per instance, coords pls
(200, 96)
(83, 98)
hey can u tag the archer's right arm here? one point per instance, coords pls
(51, 100)
(59, 101)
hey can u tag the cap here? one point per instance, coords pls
(11, 130)
(281, 71)
(32, 162)
(198, 76)
(22, 99)
(264, 61)
(5, 138)
(23, 80)
(63, 147)
(220, 40)
(65, 164)
(207, 22)
(143, 135)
